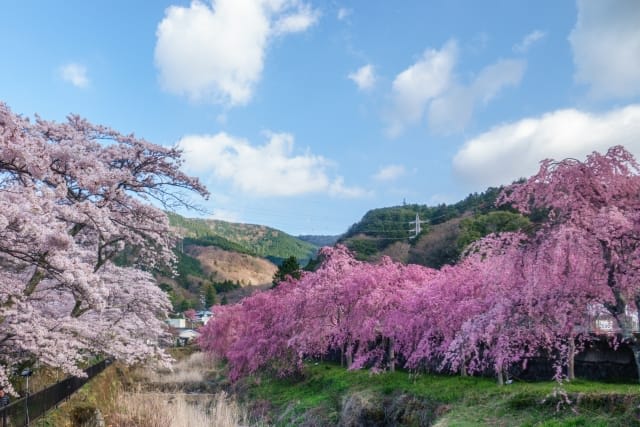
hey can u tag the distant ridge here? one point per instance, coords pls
(250, 239)
(447, 229)
(320, 240)
(220, 261)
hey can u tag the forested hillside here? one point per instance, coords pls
(446, 231)
(221, 256)
(217, 259)
(250, 239)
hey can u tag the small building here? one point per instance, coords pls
(177, 323)
(186, 336)
(602, 322)
(204, 316)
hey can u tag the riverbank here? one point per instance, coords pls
(198, 393)
(328, 394)
(190, 395)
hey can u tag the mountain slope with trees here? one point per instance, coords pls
(258, 240)
(446, 231)
(221, 258)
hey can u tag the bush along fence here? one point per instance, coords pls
(24, 411)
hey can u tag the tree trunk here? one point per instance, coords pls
(391, 355)
(635, 348)
(500, 377)
(571, 365)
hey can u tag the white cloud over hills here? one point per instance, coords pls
(216, 52)
(265, 170)
(513, 150)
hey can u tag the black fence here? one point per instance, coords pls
(24, 411)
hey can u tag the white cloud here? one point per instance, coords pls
(452, 111)
(296, 22)
(364, 77)
(418, 84)
(76, 74)
(510, 151)
(430, 84)
(606, 47)
(215, 52)
(268, 170)
(344, 13)
(389, 173)
(529, 40)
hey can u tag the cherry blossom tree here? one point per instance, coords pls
(255, 333)
(513, 297)
(529, 299)
(348, 301)
(73, 196)
(595, 202)
(345, 306)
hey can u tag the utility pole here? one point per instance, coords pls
(417, 229)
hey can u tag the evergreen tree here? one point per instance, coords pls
(209, 296)
(289, 267)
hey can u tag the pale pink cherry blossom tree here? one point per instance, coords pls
(73, 196)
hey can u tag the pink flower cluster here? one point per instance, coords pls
(514, 296)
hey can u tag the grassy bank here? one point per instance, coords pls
(187, 396)
(328, 394)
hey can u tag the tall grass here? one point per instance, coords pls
(192, 369)
(178, 409)
(163, 410)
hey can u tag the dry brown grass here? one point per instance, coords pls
(226, 265)
(151, 408)
(192, 369)
(142, 397)
(180, 410)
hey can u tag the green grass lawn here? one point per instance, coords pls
(327, 392)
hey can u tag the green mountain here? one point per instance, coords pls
(257, 240)
(445, 231)
(393, 222)
(220, 261)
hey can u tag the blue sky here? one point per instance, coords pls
(303, 115)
